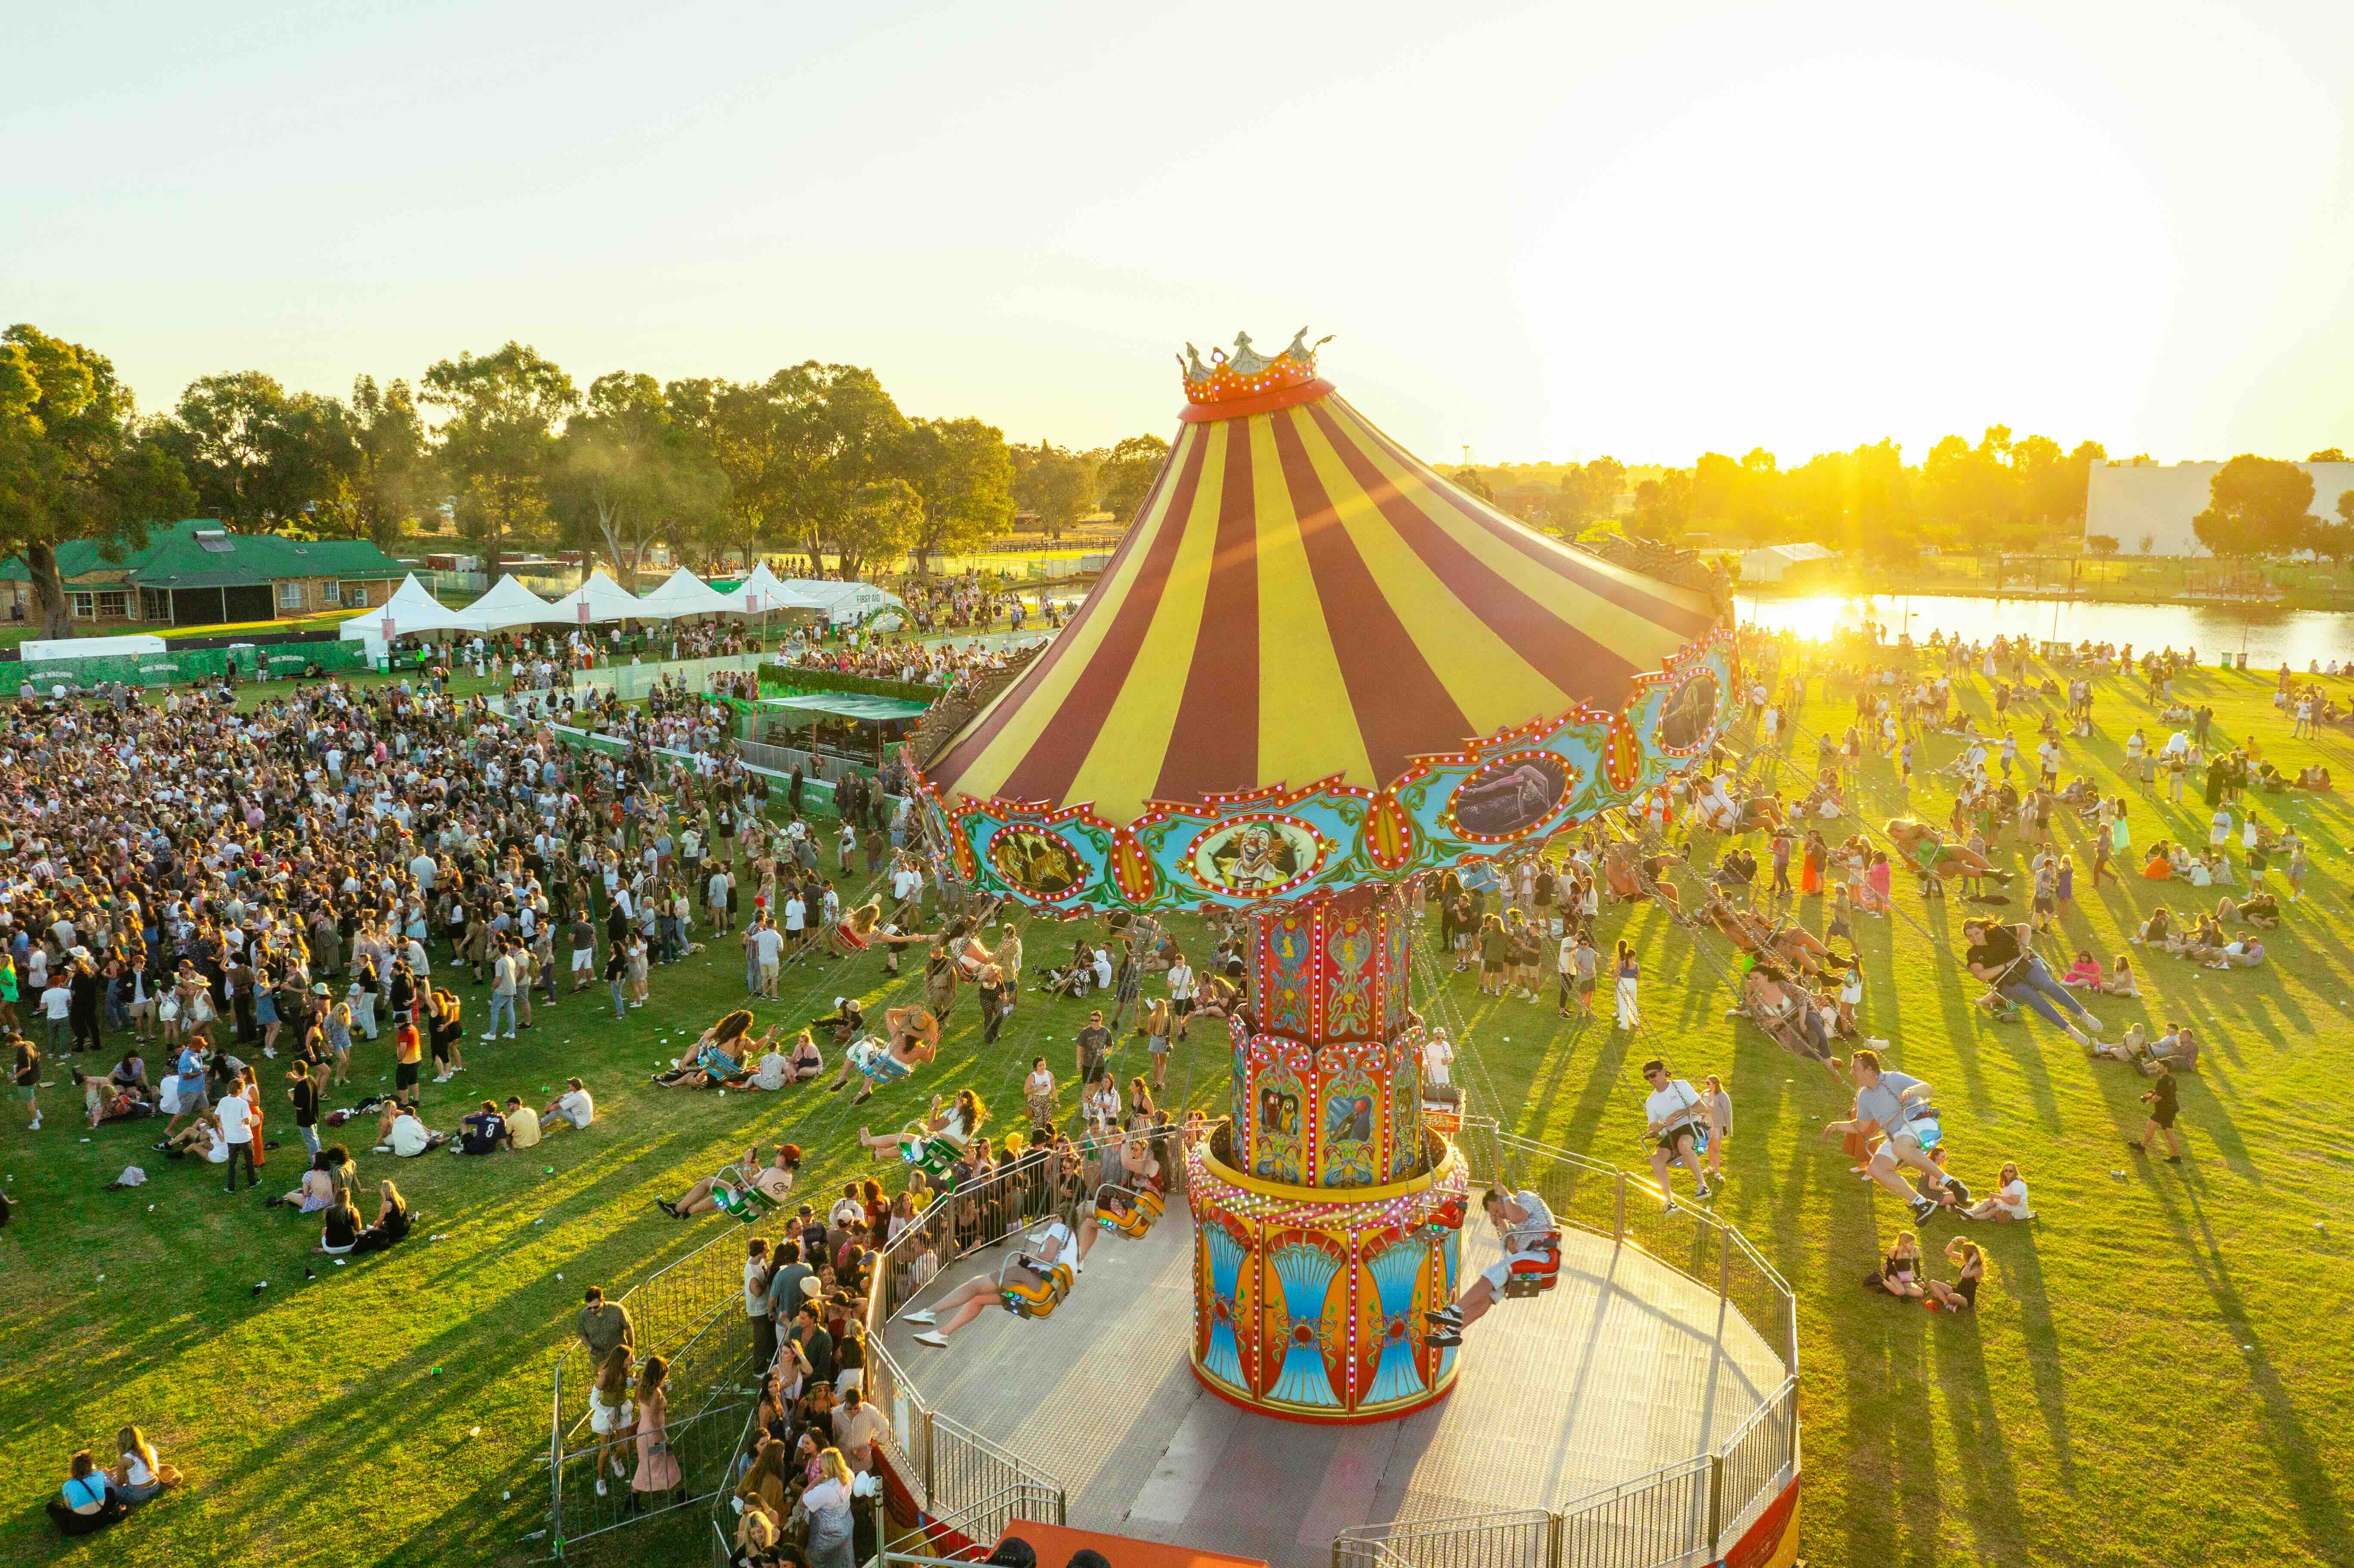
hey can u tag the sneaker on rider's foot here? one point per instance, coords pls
(1439, 1339)
(925, 1318)
(938, 1342)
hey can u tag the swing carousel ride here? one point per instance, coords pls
(1314, 671)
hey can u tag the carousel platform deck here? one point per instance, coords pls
(1626, 1366)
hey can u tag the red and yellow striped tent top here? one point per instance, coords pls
(1300, 598)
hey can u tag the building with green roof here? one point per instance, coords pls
(196, 572)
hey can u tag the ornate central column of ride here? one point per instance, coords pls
(1314, 1257)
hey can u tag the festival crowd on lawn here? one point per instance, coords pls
(206, 914)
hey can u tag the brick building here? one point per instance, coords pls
(196, 572)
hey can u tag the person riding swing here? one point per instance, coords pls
(914, 1040)
(1031, 1284)
(934, 1144)
(1130, 1200)
(1531, 1264)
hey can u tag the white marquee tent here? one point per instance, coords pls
(509, 603)
(606, 601)
(411, 610)
(687, 594)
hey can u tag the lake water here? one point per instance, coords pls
(2271, 635)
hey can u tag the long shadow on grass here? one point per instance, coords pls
(2305, 1469)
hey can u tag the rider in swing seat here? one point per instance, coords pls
(1532, 1262)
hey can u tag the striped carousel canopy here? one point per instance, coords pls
(1300, 598)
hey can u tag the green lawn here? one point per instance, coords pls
(2155, 1378)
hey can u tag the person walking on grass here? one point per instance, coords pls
(2163, 1107)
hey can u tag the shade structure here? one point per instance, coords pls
(508, 603)
(761, 592)
(1307, 626)
(411, 610)
(868, 705)
(606, 601)
(683, 593)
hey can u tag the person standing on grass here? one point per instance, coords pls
(503, 992)
(1626, 970)
(237, 1122)
(27, 1079)
(658, 1474)
(2161, 1100)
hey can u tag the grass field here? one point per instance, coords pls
(2157, 1377)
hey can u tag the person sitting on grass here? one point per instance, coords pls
(2244, 953)
(2119, 980)
(343, 1228)
(2261, 910)
(1900, 1271)
(2084, 971)
(728, 1190)
(573, 1108)
(2009, 1205)
(313, 1193)
(89, 1503)
(1969, 1267)
(139, 1476)
(203, 1136)
(392, 1221)
(399, 1132)
(485, 1131)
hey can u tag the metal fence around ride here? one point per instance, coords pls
(963, 1484)
(1686, 1513)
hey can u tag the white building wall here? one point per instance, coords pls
(2161, 500)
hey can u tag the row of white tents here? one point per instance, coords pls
(412, 611)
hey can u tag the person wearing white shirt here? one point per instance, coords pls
(236, 1115)
(1677, 1121)
(1181, 991)
(768, 946)
(1437, 1057)
(572, 1109)
(2009, 1203)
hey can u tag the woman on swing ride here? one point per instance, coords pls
(913, 1039)
(719, 1055)
(941, 1138)
(1934, 859)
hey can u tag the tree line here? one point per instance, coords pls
(816, 459)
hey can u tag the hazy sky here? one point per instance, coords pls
(1544, 231)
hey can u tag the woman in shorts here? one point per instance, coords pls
(612, 1413)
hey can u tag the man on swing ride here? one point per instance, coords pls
(1530, 1238)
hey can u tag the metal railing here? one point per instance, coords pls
(964, 1485)
(1688, 1512)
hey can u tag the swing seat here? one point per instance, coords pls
(1535, 1275)
(1143, 1208)
(740, 1198)
(1024, 1300)
(1447, 1215)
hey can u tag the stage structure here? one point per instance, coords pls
(1314, 670)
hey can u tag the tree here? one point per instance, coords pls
(1468, 481)
(2100, 543)
(1051, 483)
(853, 432)
(504, 411)
(392, 478)
(74, 463)
(876, 524)
(2326, 454)
(227, 431)
(962, 474)
(1590, 492)
(2147, 543)
(1663, 506)
(2256, 506)
(627, 473)
(1126, 475)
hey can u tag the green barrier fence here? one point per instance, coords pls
(274, 660)
(792, 678)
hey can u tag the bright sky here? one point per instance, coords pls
(1545, 231)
